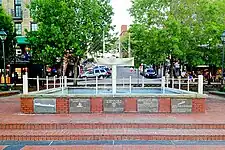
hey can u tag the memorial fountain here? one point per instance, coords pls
(88, 100)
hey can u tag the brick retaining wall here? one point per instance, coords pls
(114, 105)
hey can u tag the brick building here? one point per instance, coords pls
(22, 21)
(21, 16)
(123, 30)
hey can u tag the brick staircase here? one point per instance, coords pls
(17, 126)
(109, 130)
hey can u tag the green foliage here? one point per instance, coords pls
(70, 24)
(6, 23)
(189, 30)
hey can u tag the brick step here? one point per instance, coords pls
(127, 147)
(43, 126)
(114, 134)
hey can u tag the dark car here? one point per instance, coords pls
(150, 73)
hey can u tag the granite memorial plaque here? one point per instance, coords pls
(148, 105)
(181, 105)
(113, 105)
(79, 105)
(45, 105)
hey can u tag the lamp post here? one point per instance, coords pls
(3, 36)
(223, 42)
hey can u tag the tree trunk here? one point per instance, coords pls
(65, 65)
(209, 77)
(44, 71)
(75, 71)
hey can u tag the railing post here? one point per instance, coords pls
(96, 83)
(200, 84)
(188, 84)
(60, 81)
(179, 80)
(62, 84)
(25, 84)
(123, 83)
(163, 84)
(130, 84)
(167, 81)
(38, 89)
(46, 82)
(85, 82)
(143, 81)
(62, 78)
(54, 82)
(172, 82)
(65, 81)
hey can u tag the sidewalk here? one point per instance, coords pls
(10, 113)
(9, 93)
(217, 93)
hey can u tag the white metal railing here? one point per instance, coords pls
(63, 82)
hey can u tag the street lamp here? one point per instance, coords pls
(223, 42)
(3, 36)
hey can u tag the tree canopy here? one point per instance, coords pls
(6, 23)
(66, 25)
(189, 30)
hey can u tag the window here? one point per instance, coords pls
(34, 27)
(102, 71)
(17, 8)
(96, 71)
(18, 27)
(0, 2)
(17, 2)
(18, 11)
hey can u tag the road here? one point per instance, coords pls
(123, 77)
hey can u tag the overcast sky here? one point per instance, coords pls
(121, 14)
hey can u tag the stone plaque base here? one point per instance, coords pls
(181, 105)
(113, 105)
(79, 105)
(148, 105)
(44, 105)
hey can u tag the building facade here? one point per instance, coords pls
(20, 14)
(22, 21)
(123, 30)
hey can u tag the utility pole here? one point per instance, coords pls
(103, 43)
(129, 48)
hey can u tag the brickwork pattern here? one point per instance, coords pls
(46, 126)
(62, 105)
(164, 105)
(198, 105)
(96, 105)
(27, 105)
(114, 134)
(130, 104)
(126, 147)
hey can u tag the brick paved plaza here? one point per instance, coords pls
(16, 126)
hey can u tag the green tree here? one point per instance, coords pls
(67, 25)
(179, 28)
(6, 23)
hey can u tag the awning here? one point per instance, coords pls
(22, 40)
(202, 66)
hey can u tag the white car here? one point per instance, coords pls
(100, 73)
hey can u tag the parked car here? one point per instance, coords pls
(100, 73)
(150, 73)
(104, 67)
